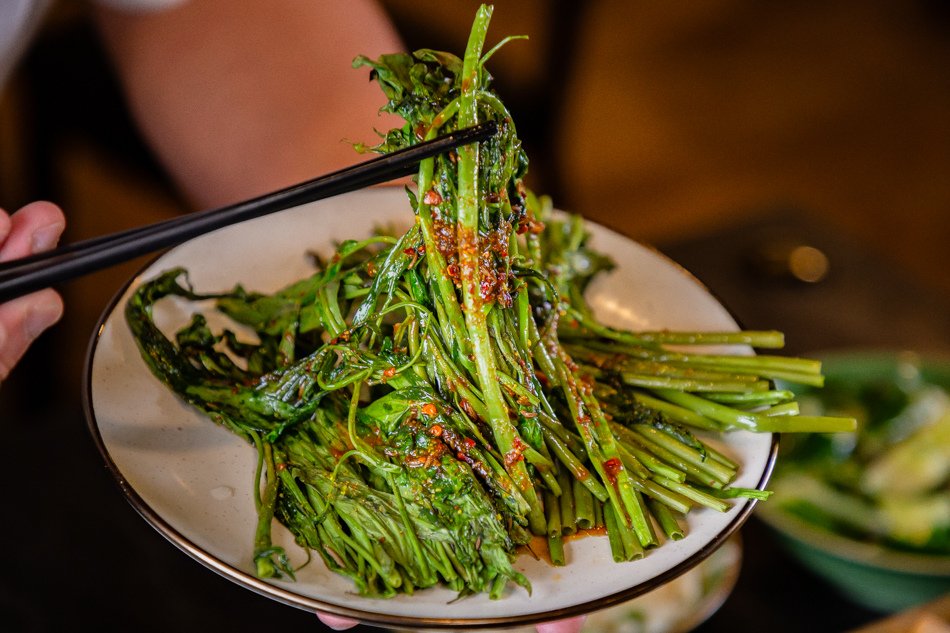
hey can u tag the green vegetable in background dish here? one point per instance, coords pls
(424, 403)
(890, 482)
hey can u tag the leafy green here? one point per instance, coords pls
(423, 404)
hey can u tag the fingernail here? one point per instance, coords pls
(46, 237)
(43, 314)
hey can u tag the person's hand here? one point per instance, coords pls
(570, 625)
(34, 228)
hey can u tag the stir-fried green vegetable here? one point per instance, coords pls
(425, 403)
(889, 482)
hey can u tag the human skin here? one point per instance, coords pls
(241, 97)
(32, 229)
(570, 625)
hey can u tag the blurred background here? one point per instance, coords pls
(726, 133)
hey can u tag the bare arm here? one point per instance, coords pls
(239, 97)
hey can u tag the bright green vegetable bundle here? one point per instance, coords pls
(423, 404)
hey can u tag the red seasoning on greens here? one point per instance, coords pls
(425, 403)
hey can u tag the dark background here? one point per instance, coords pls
(709, 132)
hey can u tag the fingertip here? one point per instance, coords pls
(48, 221)
(34, 228)
(5, 223)
(44, 211)
(46, 310)
(22, 321)
(569, 625)
(337, 623)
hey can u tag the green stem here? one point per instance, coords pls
(469, 250)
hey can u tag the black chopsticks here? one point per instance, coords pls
(22, 276)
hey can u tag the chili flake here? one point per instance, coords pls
(432, 197)
(611, 467)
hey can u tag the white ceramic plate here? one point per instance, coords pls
(678, 606)
(192, 480)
